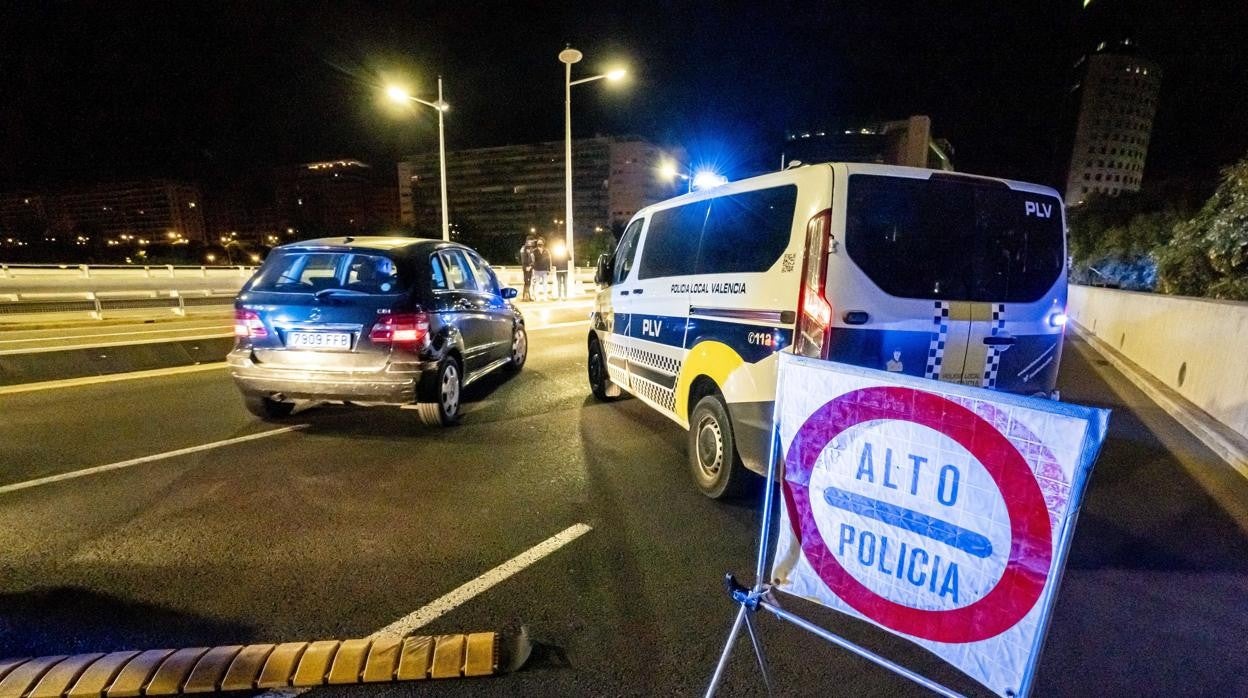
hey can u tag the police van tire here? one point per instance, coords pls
(713, 459)
(444, 411)
(267, 408)
(599, 381)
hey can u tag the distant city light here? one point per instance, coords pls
(707, 179)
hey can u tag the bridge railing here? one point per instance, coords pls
(67, 291)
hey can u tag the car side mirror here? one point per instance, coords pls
(509, 292)
(602, 275)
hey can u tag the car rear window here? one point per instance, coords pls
(954, 238)
(312, 272)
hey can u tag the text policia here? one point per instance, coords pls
(878, 552)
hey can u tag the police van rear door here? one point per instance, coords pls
(950, 277)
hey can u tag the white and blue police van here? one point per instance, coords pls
(943, 275)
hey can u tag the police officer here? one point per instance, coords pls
(526, 264)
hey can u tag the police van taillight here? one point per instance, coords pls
(814, 312)
(401, 330)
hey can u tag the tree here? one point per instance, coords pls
(1208, 254)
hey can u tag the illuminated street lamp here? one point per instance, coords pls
(568, 56)
(401, 96)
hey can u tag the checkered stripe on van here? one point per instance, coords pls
(618, 351)
(992, 363)
(661, 395)
(650, 359)
(936, 350)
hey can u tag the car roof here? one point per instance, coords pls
(370, 242)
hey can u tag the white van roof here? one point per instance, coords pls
(785, 176)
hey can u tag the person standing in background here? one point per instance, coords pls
(526, 264)
(559, 262)
(541, 271)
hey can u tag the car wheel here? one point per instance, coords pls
(445, 411)
(713, 460)
(267, 408)
(599, 383)
(519, 348)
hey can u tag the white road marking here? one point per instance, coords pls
(109, 378)
(465, 592)
(146, 459)
(457, 597)
(121, 343)
(214, 326)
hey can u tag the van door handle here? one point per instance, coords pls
(1000, 341)
(638, 291)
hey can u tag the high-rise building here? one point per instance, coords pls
(1116, 93)
(336, 197)
(150, 209)
(508, 190)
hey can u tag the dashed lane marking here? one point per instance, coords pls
(465, 592)
(14, 487)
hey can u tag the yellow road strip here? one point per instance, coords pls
(108, 378)
(5, 489)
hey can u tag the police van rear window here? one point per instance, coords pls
(313, 272)
(954, 238)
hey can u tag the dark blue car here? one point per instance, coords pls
(373, 321)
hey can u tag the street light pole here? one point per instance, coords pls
(568, 56)
(446, 218)
(401, 96)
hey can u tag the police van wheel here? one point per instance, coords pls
(599, 381)
(445, 411)
(717, 469)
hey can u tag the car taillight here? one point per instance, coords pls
(814, 312)
(247, 323)
(402, 330)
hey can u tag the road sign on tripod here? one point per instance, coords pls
(938, 512)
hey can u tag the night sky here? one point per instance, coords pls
(111, 90)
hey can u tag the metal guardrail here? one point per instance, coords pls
(30, 291)
(88, 271)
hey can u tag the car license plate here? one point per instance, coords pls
(318, 340)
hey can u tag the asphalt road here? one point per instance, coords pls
(344, 526)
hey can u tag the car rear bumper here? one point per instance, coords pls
(397, 384)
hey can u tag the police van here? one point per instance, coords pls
(936, 274)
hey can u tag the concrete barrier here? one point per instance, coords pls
(1194, 346)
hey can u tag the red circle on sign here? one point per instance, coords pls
(1031, 541)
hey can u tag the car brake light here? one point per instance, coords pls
(403, 330)
(247, 323)
(814, 312)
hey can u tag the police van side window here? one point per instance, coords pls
(626, 252)
(747, 232)
(671, 245)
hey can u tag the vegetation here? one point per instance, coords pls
(1161, 240)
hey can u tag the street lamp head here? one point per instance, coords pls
(570, 55)
(667, 170)
(398, 94)
(617, 74)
